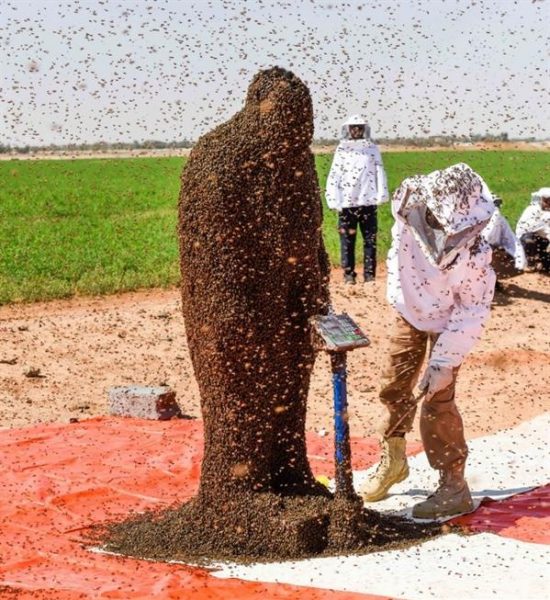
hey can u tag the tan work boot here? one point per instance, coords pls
(452, 497)
(392, 469)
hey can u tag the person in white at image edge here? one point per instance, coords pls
(508, 253)
(441, 284)
(356, 185)
(533, 231)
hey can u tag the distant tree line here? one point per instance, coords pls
(449, 140)
(421, 142)
(436, 140)
(97, 146)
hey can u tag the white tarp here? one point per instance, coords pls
(510, 462)
(452, 566)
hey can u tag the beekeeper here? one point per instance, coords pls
(508, 254)
(356, 185)
(441, 284)
(533, 230)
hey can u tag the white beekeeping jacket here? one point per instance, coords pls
(499, 234)
(534, 219)
(442, 283)
(357, 176)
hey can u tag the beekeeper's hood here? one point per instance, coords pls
(460, 201)
(355, 120)
(536, 197)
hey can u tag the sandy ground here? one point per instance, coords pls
(83, 346)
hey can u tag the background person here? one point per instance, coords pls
(441, 283)
(533, 230)
(508, 254)
(356, 185)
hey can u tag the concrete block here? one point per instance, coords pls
(158, 403)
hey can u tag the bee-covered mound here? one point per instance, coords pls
(264, 526)
(254, 271)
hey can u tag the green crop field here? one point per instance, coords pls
(100, 226)
(511, 175)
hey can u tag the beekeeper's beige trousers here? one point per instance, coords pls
(440, 422)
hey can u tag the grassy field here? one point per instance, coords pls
(511, 175)
(104, 225)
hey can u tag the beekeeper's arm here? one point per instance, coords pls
(512, 245)
(526, 221)
(382, 194)
(333, 192)
(492, 231)
(499, 233)
(472, 307)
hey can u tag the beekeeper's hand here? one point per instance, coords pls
(435, 379)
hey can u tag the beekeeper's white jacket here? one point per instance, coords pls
(444, 287)
(534, 219)
(357, 176)
(499, 234)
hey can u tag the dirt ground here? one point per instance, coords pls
(78, 348)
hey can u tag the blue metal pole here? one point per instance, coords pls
(343, 475)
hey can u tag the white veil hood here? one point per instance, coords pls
(458, 198)
(355, 120)
(537, 196)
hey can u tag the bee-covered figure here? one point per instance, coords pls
(254, 270)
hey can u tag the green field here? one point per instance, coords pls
(104, 225)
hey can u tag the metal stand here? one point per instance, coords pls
(342, 448)
(337, 334)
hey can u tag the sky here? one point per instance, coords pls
(119, 71)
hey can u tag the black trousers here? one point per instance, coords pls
(537, 249)
(349, 220)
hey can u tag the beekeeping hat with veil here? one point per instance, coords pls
(355, 120)
(445, 210)
(536, 197)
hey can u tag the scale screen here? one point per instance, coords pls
(339, 333)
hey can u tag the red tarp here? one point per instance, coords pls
(523, 517)
(56, 480)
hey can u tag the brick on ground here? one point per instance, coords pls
(142, 402)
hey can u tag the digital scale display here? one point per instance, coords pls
(339, 333)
